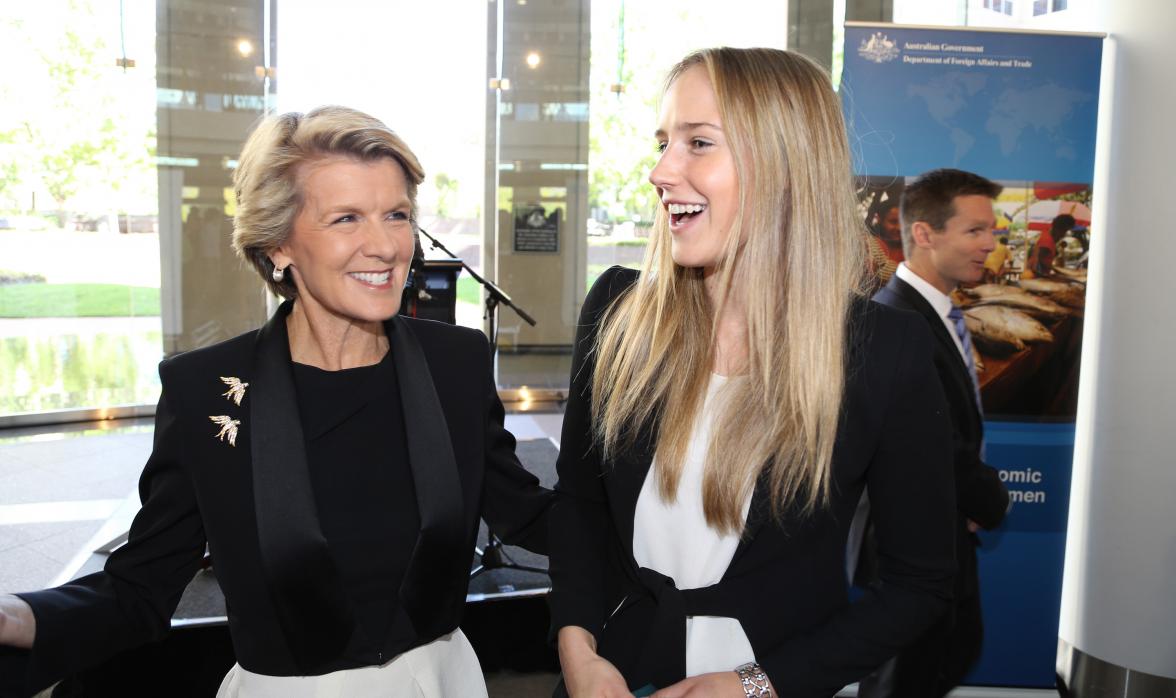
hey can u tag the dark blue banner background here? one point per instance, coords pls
(1021, 563)
(1023, 109)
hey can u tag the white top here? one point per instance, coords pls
(940, 302)
(442, 668)
(675, 540)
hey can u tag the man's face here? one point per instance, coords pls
(957, 252)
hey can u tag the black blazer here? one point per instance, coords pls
(787, 581)
(980, 495)
(253, 505)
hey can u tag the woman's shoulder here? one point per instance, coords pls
(201, 378)
(442, 336)
(873, 320)
(615, 280)
(228, 356)
(611, 284)
(883, 337)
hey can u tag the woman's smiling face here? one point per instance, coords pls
(695, 175)
(352, 241)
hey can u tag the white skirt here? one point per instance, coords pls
(446, 667)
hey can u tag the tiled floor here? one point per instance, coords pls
(58, 486)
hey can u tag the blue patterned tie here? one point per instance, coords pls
(956, 316)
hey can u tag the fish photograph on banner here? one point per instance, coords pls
(1019, 110)
(1027, 347)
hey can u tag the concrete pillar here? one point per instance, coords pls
(869, 10)
(810, 29)
(540, 134)
(1116, 634)
(210, 94)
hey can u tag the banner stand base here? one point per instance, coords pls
(976, 692)
(1081, 675)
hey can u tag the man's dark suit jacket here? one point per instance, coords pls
(253, 505)
(980, 497)
(786, 583)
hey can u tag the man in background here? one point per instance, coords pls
(947, 235)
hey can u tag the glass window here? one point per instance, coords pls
(1001, 6)
(79, 227)
(214, 80)
(532, 121)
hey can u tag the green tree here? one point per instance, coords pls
(622, 154)
(70, 108)
(624, 53)
(10, 165)
(70, 64)
(62, 163)
(446, 193)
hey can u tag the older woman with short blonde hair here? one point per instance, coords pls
(335, 462)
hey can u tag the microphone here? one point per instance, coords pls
(415, 278)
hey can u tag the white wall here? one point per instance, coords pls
(1120, 573)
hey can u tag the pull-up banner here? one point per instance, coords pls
(1018, 108)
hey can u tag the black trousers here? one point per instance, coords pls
(937, 661)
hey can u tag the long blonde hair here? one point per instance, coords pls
(796, 250)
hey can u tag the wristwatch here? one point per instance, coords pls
(755, 681)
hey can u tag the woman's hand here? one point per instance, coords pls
(720, 684)
(18, 626)
(587, 674)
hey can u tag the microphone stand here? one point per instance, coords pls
(493, 556)
(494, 295)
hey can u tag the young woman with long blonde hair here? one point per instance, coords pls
(729, 404)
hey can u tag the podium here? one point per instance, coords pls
(433, 295)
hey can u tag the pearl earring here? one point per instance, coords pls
(279, 274)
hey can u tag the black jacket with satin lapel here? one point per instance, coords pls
(307, 592)
(981, 495)
(786, 583)
(436, 576)
(252, 504)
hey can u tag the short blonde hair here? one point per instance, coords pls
(266, 179)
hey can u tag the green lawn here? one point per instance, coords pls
(77, 300)
(469, 291)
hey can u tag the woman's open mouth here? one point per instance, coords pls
(680, 213)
